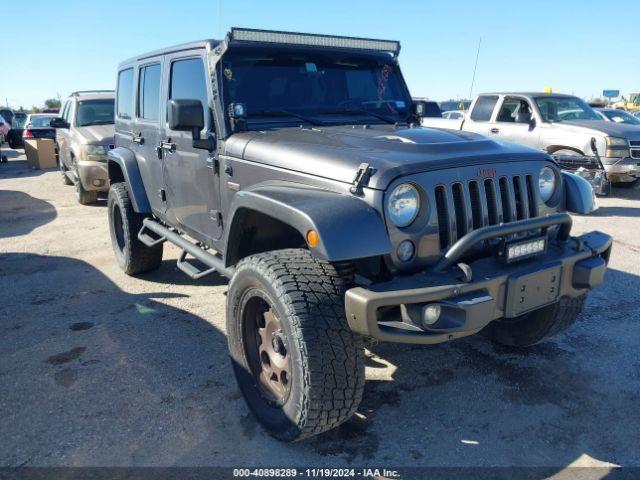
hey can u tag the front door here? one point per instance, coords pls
(63, 137)
(191, 174)
(146, 135)
(510, 124)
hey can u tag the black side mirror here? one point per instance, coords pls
(58, 122)
(188, 115)
(420, 108)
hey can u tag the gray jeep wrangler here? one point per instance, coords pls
(293, 164)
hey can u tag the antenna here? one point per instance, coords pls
(475, 67)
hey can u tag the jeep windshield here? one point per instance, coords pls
(560, 109)
(95, 112)
(314, 87)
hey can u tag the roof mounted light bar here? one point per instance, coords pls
(312, 40)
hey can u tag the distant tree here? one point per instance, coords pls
(21, 109)
(52, 103)
(34, 109)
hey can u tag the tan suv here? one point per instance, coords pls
(84, 135)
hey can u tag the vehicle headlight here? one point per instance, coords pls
(547, 183)
(95, 149)
(403, 205)
(616, 142)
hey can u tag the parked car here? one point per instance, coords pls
(14, 137)
(38, 125)
(558, 124)
(84, 134)
(7, 115)
(4, 129)
(292, 164)
(454, 115)
(618, 116)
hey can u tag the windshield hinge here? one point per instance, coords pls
(361, 179)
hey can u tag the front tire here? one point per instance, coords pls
(84, 197)
(298, 365)
(537, 326)
(132, 255)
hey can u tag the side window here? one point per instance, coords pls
(483, 108)
(69, 109)
(188, 81)
(511, 108)
(63, 112)
(149, 92)
(125, 94)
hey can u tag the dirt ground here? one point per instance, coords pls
(101, 369)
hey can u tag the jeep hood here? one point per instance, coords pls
(97, 134)
(337, 152)
(612, 129)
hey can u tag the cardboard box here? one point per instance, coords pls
(41, 153)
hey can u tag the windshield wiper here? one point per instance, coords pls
(280, 113)
(384, 118)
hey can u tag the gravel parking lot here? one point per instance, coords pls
(101, 369)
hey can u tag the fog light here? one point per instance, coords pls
(405, 250)
(431, 314)
(526, 249)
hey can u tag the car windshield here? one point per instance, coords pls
(620, 116)
(561, 109)
(40, 121)
(95, 112)
(310, 85)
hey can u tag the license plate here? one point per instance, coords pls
(530, 291)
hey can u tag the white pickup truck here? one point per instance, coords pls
(559, 124)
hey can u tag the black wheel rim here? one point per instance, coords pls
(266, 348)
(118, 229)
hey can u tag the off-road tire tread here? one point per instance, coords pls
(138, 258)
(538, 326)
(332, 355)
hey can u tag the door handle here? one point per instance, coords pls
(168, 145)
(494, 130)
(137, 138)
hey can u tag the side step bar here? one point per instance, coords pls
(214, 262)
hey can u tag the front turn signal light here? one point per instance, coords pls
(312, 238)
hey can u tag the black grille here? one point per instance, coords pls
(467, 206)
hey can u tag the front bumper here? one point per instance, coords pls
(94, 176)
(394, 311)
(622, 169)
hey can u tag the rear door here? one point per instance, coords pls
(192, 180)
(146, 131)
(480, 116)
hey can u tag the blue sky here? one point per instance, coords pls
(52, 47)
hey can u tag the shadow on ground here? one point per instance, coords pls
(15, 168)
(20, 213)
(93, 375)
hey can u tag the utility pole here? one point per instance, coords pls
(475, 67)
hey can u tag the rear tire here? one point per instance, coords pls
(84, 197)
(537, 326)
(132, 255)
(299, 301)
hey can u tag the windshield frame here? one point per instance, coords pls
(352, 114)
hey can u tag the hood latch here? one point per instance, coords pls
(364, 173)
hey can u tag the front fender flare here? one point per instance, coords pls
(126, 160)
(348, 228)
(579, 194)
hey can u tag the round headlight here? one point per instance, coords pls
(547, 183)
(403, 205)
